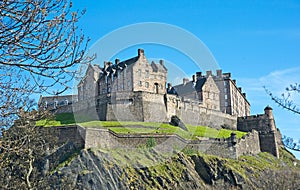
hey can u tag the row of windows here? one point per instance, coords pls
(147, 74)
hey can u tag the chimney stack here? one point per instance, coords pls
(161, 62)
(194, 78)
(208, 73)
(198, 75)
(117, 61)
(185, 80)
(244, 94)
(219, 72)
(240, 89)
(140, 52)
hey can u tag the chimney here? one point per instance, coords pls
(185, 80)
(161, 62)
(117, 61)
(194, 78)
(105, 65)
(234, 81)
(219, 72)
(208, 73)
(244, 94)
(140, 52)
(240, 89)
(198, 75)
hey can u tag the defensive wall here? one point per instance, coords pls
(265, 125)
(165, 143)
(151, 107)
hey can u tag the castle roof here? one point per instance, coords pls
(189, 87)
(158, 67)
(126, 62)
(268, 108)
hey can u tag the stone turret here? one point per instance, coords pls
(269, 113)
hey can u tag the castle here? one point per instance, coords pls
(136, 90)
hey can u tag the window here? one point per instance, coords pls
(66, 101)
(140, 83)
(226, 103)
(147, 84)
(45, 104)
(226, 97)
(139, 72)
(147, 73)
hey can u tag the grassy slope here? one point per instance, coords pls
(142, 127)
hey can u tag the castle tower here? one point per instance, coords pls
(269, 113)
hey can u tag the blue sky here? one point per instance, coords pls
(257, 41)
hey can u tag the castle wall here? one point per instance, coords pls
(248, 144)
(167, 143)
(67, 134)
(192, 112)
(265, 125)
(133, 106)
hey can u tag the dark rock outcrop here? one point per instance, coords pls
(96, 169)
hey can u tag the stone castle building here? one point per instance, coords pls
(135, 90)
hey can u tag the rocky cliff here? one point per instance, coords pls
(145, 169)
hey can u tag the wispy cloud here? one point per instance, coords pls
(276, 82)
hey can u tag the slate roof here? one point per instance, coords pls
(188, 88)
(158, 67)
(128, 62)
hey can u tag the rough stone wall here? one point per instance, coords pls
(219, 147)
(195, 114)
(227, 148)
(67, 134)
(265, 125)
(125, 106)
(248, 144)
(65, 109)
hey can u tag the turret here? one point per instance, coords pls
(269, 112)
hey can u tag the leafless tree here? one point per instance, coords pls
(40, 47)
(22, 150)
(286, 102)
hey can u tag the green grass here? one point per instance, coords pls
(58, 120)
(125, 127)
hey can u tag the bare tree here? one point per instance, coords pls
(40, 49)
(286, 102)
(40, 46)
(23, 148)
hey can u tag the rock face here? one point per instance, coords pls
(98, 169)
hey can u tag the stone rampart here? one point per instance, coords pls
(193, 112)
(248, 144)
(265, 125)
(228, 148)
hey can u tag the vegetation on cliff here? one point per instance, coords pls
(102, 169)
